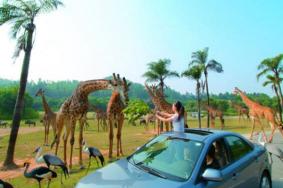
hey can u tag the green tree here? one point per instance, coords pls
(136, 109)
(21, 14)
(201, 58)
(158, 72)
(271, 80)
(272, 68)
(194, 73)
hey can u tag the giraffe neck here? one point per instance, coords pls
(246, 100)
(87, 87)
(45, 105)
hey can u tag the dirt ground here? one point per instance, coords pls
(23, 130)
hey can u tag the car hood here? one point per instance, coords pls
(123, 174)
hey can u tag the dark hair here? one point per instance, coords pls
(211, 151)
(180, 109)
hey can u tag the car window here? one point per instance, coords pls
(237, 147)
(173, 157)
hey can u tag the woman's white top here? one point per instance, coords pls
(178, 125)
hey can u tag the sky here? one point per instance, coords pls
(91, 39)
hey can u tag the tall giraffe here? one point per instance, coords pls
(101, 117)
(49, 117)
(213, 113)
(258, 111)
(75, 109)
(240, 110)
(117, 103)
(161, 104)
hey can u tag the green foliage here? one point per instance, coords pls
(135, 109)
(8, 100)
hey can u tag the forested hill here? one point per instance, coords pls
(57, 91)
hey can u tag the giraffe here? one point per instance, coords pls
(240, 110)
(101, 117)
(258, 111)
(117, 103)
(213, 113)
(49, 117)
(75, 109)
(161, 105)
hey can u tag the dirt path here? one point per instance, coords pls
(22, 130)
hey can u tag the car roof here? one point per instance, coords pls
(200, 134)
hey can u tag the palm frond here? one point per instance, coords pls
(49, 5)
(214, 66)
(263, 72)
(21, 42)
(193, 73)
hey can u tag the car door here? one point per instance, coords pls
(243, 163)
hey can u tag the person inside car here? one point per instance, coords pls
(211, 161)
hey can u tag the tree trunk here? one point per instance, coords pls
(198, 101)
(162, 93)
(9, 161)
(280, 94)
(207, 95)
(279, 104)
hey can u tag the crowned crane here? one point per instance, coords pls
(271, 148)
(39, 174)
(93, 152)
(51, 160)
(4, 184)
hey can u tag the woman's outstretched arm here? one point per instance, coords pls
(168, 119)
(165, 114)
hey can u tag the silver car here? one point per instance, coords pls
(182, 160)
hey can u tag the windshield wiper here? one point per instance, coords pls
(153, 171)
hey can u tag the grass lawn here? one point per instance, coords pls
(132, 137)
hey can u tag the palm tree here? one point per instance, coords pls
(21, 14)
(158, 72)
(275, 66)
(194, 73)
(271, 80)
(200, 58)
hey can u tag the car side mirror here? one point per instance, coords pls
(138, 148)
(212, 175)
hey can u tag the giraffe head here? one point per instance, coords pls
(121, 86)
(40, 92)
(237, 91)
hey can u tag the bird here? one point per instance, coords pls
(4, 184)
(93, 152)
(39, 174)
(51, 160)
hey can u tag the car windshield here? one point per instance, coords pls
(168, 157)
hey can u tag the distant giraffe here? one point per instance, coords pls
(101, 117)
(161, 105)
(117, 103)
(213, 113)
(49, 117)
(258, 111)
(240, 110)
(75, 109)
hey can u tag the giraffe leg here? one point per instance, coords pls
(272, 125)
(45, 132)
(262, 129)
(65, 139)
(72, 142)
(98, 122)
(80, 143)
(119, 136)
(253, 127)
(59, 125)
(47, 135)
(110, 138)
